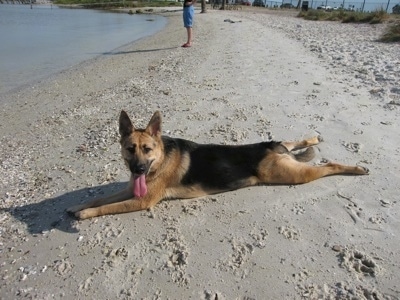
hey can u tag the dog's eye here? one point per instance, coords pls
(146, 149)
(131, 149)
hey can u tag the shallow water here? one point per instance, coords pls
(38, 42)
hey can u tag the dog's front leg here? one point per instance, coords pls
(117, 197)
(130, 205)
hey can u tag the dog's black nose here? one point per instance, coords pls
(140, 169)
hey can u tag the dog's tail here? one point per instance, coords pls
(306, 155)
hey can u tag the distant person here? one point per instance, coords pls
(188, 14)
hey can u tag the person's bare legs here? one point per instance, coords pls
(188, 16)
(189, 36)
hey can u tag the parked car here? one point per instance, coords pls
(287, 5)
(325, 7)
(258, 3)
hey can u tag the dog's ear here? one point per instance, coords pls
(154, 126)
(125, 124)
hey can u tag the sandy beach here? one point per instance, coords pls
(249, 77)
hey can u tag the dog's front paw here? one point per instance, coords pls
(73, 209)
(82, 212)
(86, 213)
(363, 170)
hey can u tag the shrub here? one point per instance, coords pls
(312, 15)
(392, 33)
(345, 16)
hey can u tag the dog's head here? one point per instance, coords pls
(142, 149)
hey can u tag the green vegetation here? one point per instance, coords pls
(392, 33)
(116, 3)
(319, 15)
(375, 17)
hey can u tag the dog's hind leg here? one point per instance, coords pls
(290, 146)
(283, 169)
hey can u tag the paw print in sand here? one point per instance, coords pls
(356, 261)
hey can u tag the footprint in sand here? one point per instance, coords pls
(62, 267)
(289, 232)
(354, 260)
(352, 147)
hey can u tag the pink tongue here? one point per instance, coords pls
(139, 186)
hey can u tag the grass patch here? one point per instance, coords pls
(391, 34)
(375, 17)
(318, 15)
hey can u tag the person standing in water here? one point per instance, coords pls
(188, 14)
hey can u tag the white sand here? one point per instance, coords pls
(267, 76)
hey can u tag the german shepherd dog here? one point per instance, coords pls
(165, 168)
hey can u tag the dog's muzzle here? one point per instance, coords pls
(138, 169)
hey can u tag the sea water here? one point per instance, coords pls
(45, 39)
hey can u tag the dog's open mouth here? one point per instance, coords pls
(139, 172)
(139, 186)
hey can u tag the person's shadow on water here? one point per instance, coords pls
(51, 213)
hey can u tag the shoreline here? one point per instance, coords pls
(32, 73)
(256, 77)
(60, 83)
